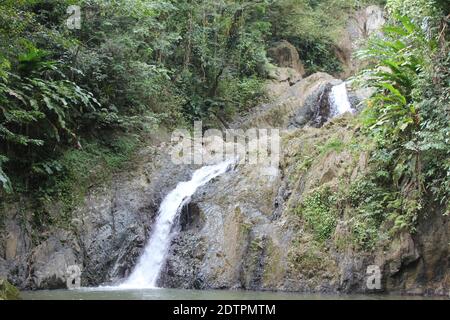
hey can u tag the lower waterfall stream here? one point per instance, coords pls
(148, 268)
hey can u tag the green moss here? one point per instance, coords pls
(246, 228)
(369, 205)
(8, 291)
(273, 270)
(309, 258)
(253, 256)
(367, 209)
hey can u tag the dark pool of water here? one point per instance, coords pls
(175, 294)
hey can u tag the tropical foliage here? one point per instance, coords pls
(408, 115)
(134, 65)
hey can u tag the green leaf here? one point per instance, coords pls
(394, 91)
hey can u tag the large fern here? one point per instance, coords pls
(398, 60)
(400, 56)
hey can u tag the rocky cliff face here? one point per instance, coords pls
(244, 230)
(285, 55)
(360, 26)
(297, 103)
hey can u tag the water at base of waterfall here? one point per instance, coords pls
(177, 294)
(148, 268)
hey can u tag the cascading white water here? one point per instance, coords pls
(340, 103)
(147, 270)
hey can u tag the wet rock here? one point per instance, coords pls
(316, 110)
(183, 270)
(299, 100)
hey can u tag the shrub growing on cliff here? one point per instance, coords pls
(408, 117)
(318, 209)
(367, 203)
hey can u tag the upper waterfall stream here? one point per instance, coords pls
(340, 103)
(148, 268)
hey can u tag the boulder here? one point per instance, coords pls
(50, 261)
(285, 55)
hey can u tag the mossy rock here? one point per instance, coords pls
(8, 291)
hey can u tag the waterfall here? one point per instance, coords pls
(148, 268)
(340, 103)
